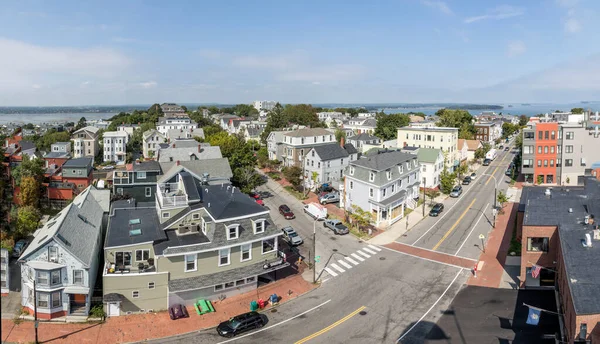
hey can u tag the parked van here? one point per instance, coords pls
(316, 211)
(491, 154)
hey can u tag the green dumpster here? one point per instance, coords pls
(203, 307)
(253, 306)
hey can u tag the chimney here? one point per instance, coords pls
(177, 162)
(173, 145)
(199, 148)
(342, 142)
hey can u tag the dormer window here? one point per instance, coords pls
(371, 176)
(259, 226)
(388, 173)
(401, 168)
(233, 232)
(351, 170)
(408, 166)
(415, 162)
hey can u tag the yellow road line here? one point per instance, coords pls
(453, 226)
(496, 169)
(316, 334)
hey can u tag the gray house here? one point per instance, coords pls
(197, 241)
(138, 180)
(326, 164)
(361, 139)
(384, 184)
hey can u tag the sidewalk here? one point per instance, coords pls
(492, 262)
(397, 229)
(132, 328)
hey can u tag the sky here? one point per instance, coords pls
(407, 51)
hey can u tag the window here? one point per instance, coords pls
(545, 149)
(204, 226)
(371, 192)
(371, 176)
(383, 192)
(539, 163)
(551, 149)
(56, 300)
(190, 262)
(570, 135)
(319, 164)
(545, 163)
(269, 245)
(313, 153)
(41, 277)
(551, 162)
(539, 149)
(42, 300)
(195, 216)
(569, 149)
(582, 162)
(552, 134)
(250, 279)
(259, 226)
(400, 168)
(537, 244)
(232, 232)
(218, 287)
(135, 294)
(546, 136)
(388, 173)
(527, 163)
(78, 277)
(122, 258)
(229, 285)
(142, 255)
(55, 277)
(224, 256)
(540, 135)
(559, 149)
(246, 252)
(148, 192)
(351, 185)
(151, 285)
(351, 170)
(393, 187)
(568, 162)
(166, 215)
(53, 253)
(528, 150)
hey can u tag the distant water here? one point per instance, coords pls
(61, 118)
(513, 109)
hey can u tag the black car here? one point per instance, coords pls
(467, 180)
(436, 210)
(487, 162)
(241, 323)
(507, 149)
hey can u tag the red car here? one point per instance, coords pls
(286, 212)
(178, 311)
(257, 198)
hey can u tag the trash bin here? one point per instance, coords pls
(274, 299)
(261, 303)
(253, 306)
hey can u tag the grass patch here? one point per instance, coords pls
(359, 234)
(299, 195)
(274, 175)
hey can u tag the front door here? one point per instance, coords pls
(114, 309)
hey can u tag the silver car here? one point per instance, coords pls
(336, 226)
(291, 236)
(456, 191)
(330, 198)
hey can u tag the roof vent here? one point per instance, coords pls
(586, 220)
(209, 204)
(548, 192)
(596, 234)
(587, 242)
(570, 210)
(83, 218)
(232, 189)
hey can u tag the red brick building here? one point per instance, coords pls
(559, 232)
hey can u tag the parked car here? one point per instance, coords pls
(316, 211)
(287, 213)
(466, 180)
(486, 162)
(332, 197)
(436, 210)
(456, 191)
(109, 167)
(501, 146)
(507, 149)
(241, 323)
(19, 248)
(178, 311)
(291, 236)
(336, 226)
(473, 176)
(326, 188)
(257, 198)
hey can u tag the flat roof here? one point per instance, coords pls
(124, 217)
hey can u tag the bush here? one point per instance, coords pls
(97, 311)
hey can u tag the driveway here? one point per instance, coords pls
(11, 303)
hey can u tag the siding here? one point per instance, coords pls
(155, 299)
(189, 297)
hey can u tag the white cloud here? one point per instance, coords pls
(438, 5)
(516, 48)
(497, 13)
(148, 84)
(572, 25)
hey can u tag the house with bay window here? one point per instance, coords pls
(383, 183)
(195, 241)
(62, 261)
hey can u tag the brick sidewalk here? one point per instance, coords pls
(141, 327)
(441, 257)
(496, 249)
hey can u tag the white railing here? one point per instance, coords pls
(173, 198)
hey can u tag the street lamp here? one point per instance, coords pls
(334, 251)
(495, 189)
(315, 249)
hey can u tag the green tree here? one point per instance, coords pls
(577, 110)
(447, 181)
(508, 129)
(245, 110)
(246, 178)
(6, 241)
(339, 135)
(387, 125)
(502, 198)
(30, 191)
(460, 119)
(262, 156)
(293, 174)
(81, 123)
(29, 126)
(432, 194)
(276, 120)
(43, 142)
(462, 170)
(519, 141)
(360, 217)
(28, 168)
(27, 220)
(523, 120)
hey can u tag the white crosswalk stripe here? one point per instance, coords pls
(337, 267)
(346, 265)
(357, 257)
(375, 248)
(363, 254)
(351, 260)
(330, 272)
(370, 251)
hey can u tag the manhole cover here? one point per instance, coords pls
(381, 258)
(274, 310)
(362, 313)
(332, 238)
(360, 241)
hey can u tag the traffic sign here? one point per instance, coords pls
(481, 236)
(317, 259)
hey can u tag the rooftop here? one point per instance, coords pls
(330, 151)
(126, 215)
(429, 155)
(438, 129)
(79, 162)
(383, 160)
(308, 132)
(363, 137)
(148, 165)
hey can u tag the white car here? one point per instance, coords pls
(473, 176)
(109, 167)
(291, 236)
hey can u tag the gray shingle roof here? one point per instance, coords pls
(225, 204)
(308, 132)
(188, 153)
(148, 165)
(350, 148)
(363, 137)
(218, 169)
(26, 145)
(383, 160)
(330, 151)
(79, 162)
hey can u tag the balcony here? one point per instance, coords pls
(170, 195)
(112, 269)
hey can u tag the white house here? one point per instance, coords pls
(115, 146)
(360, 140)
(361, 125)
(63, 258)
(176, 134)
(326, 164)
(431, 161)
(128, 128)
(168, 123)
(151, 140)
(442, 138)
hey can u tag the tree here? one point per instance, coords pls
(293, 174)
(387, 125)
(27, 220)
(30, 191)
(262, 156)
(6, 241)
(502, 198)
(481, 152)
(339, 135)
(519, 141)
(447, 181)
(51, 136)
(523, 120)
(432, 194)
(81, 123)
(29, 126)
(361, 217)
(577, 110)
(28, 168)
(247, 179)
(245, 110)
(460, 119)
(508, 129)
(462, 170)
(276, 119)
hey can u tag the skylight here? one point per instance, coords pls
(135, 232)
(135, 222)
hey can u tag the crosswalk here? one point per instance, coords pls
(334, 268)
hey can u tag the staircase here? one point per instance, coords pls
(411, 203)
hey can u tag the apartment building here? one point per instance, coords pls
(360, 140)
(326, 164)
(128, 128)
(151, 140)
(384, 184)
(115, 146)
(85, 142)
(264, 105)
(290, 147)
(197, 241)
(361, 125)
(561, 240)
(169, 123)
(488, 132)
(445, 139)
(560, 149)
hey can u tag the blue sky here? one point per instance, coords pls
(138, 52)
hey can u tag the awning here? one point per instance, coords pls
(77, 290)
(112, 297)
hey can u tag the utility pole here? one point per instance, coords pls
(35, 324)
(315, 251)
(424, 199)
